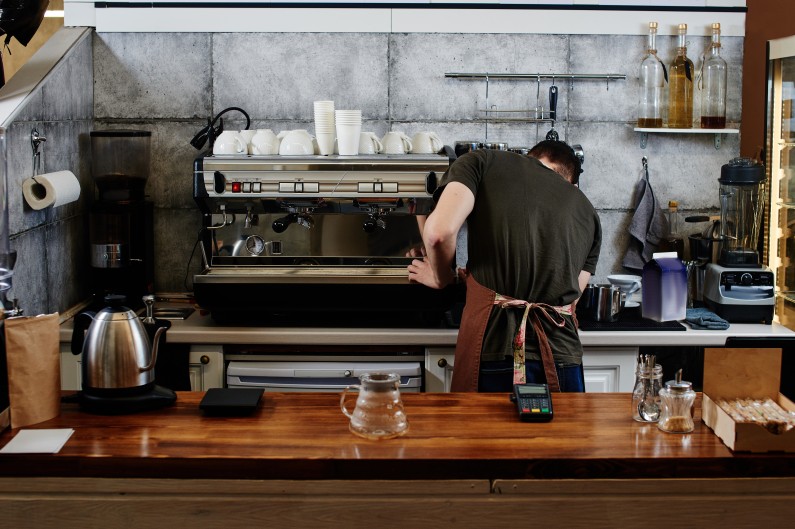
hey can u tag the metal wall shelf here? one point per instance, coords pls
(644, 133)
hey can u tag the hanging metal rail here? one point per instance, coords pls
(572, 76)
(532, 115)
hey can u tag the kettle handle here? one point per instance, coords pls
(81, 323)
(164, 326)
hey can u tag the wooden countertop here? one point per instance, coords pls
(451, 436)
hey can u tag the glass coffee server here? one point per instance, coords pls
(780, 167)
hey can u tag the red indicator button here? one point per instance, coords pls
(236, 187)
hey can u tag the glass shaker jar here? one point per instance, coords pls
(677, 398)
(646, 393)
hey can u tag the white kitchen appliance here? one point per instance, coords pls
(738, 287)
(317, 376)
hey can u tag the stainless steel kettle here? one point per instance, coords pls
(116, 348)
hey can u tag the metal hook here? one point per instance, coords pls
(36, 140)
(645, 162)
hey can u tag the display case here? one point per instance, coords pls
(780, 164)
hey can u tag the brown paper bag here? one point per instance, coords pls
(34, 369)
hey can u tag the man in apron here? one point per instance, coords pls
(533, 243)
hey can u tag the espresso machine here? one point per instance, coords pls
(320, 240)
(121, 227)
(738, 287)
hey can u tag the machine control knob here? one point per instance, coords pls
(348, 373)
(746, 279)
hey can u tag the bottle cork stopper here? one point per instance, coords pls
(673, 204)
(653, 25)
(682, 26)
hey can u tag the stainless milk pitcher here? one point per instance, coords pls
(379, 409)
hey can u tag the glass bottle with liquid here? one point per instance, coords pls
(680, 86)
(652, 84)
(674, 241)
(713, 85)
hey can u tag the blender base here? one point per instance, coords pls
(742, 313)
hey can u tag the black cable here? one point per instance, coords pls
(210, 132)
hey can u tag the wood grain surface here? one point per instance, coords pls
(451, 436)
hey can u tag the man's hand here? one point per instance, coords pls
(417, 251)
(422, 272)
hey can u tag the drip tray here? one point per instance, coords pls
(172, 313)
(630, 320)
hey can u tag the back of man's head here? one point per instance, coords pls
(562, 155)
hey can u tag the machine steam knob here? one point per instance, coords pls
(369, 225)
(279, 225)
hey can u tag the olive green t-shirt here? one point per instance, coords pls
(530, 234)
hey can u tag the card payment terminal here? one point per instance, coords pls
(533, 402)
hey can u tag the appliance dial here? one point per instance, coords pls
(255, 245)
(746, 279)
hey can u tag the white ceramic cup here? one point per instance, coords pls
(247, 134)
(325, 142)
(369, 143)
(296, 143)
(230, 142)
(348, 139)
(426, 142)
(264, 141)
(396, 143)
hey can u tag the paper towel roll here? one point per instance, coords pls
(51, 189)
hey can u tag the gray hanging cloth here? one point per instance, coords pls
(648, 226)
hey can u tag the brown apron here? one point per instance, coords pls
(474, 320)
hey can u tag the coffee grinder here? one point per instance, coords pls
(738, 287)
(121, 228)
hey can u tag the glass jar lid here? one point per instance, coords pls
(678, 385)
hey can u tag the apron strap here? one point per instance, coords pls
(535, 311)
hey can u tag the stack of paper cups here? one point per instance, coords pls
(324, 126)
(349, 128)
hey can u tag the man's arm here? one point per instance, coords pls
(439, 237)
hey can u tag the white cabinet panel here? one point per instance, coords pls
(71, 379)
(439, 369)
(206, 367)
(609, 369)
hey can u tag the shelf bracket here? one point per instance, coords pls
(717, 141)
(644, 139)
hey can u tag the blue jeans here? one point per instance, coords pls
(497, 376)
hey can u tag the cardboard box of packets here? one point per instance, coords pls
(744, 378)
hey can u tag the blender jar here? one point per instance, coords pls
(742, 201)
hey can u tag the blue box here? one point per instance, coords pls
(664, 288)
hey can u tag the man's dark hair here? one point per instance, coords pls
(560, 153)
